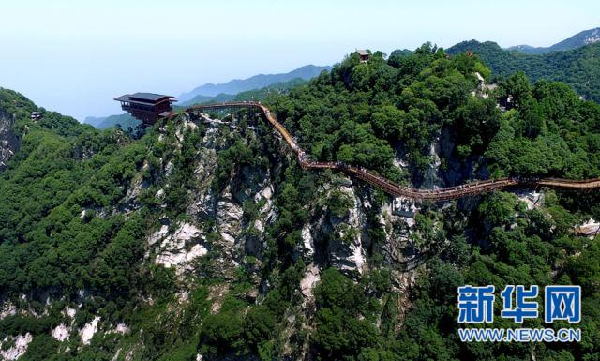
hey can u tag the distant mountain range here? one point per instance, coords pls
(252, 94)
(125, 120)
(199, 99)
(583, 38)
(255, 82)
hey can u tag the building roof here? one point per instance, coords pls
(149, 98)
(362, 52)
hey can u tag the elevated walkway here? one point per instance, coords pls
(377, 180)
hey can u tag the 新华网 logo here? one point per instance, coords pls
(476, 306)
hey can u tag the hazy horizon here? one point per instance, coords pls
(74, 58)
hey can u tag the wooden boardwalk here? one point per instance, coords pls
(377, 180)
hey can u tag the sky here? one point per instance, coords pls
(74, 56)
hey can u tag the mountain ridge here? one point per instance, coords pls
(200, 240)
(578, 40)
(236, 86)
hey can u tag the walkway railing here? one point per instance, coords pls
(419, 195)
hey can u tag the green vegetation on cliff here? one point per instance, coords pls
(79, 204)
(368, 114)
(579, 68)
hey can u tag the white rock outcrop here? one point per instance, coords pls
(589, 228)
(8, 309)
(158, 235)
(9, 141)
(71, 312)
(531, 198)
(60, 332)
(308, 241)
(346, 250)
(121, 328)
(229, 216)
(174, 250)
(310, 279)
(18, 349)
(88, 331)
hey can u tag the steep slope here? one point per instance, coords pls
(9, 141)
(205, 239)
(217, 206)
(583, 38)
(12, 106)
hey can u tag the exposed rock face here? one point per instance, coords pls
(222, 231)
(88, 331)
(432, 177)
(19, 347)
(532, 198)
(60, 332)
(398, 220)
(9, 141)
(229, 216)
(403, 207)
(131, 200)
(120, 328)
(239, 236)
(347, 241)
(8, 309)
(308, 241)
(311, 277)
(592, 37)
(342, 242)
(179, 248)
(70, 312)
(589, 228)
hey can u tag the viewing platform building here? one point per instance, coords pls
(147, 107)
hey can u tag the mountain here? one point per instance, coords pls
(208, 238)
(125, 120)
(12, 106)
(274, 89)
(581, 39)
(253, 94)
(255, 82)
(579, 68)
(525, 49)
(200, 99)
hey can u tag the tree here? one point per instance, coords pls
(518, 87)
(476, 123)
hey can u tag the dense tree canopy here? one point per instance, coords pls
(370, 113)
(68, 222)
(578, 68)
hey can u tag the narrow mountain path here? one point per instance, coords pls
(377, 180)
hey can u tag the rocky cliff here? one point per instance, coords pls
(9, 141)
(207, 240)
(225, 226)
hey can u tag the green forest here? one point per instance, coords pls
(579, 68)
(69, 224)
(367, 114)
